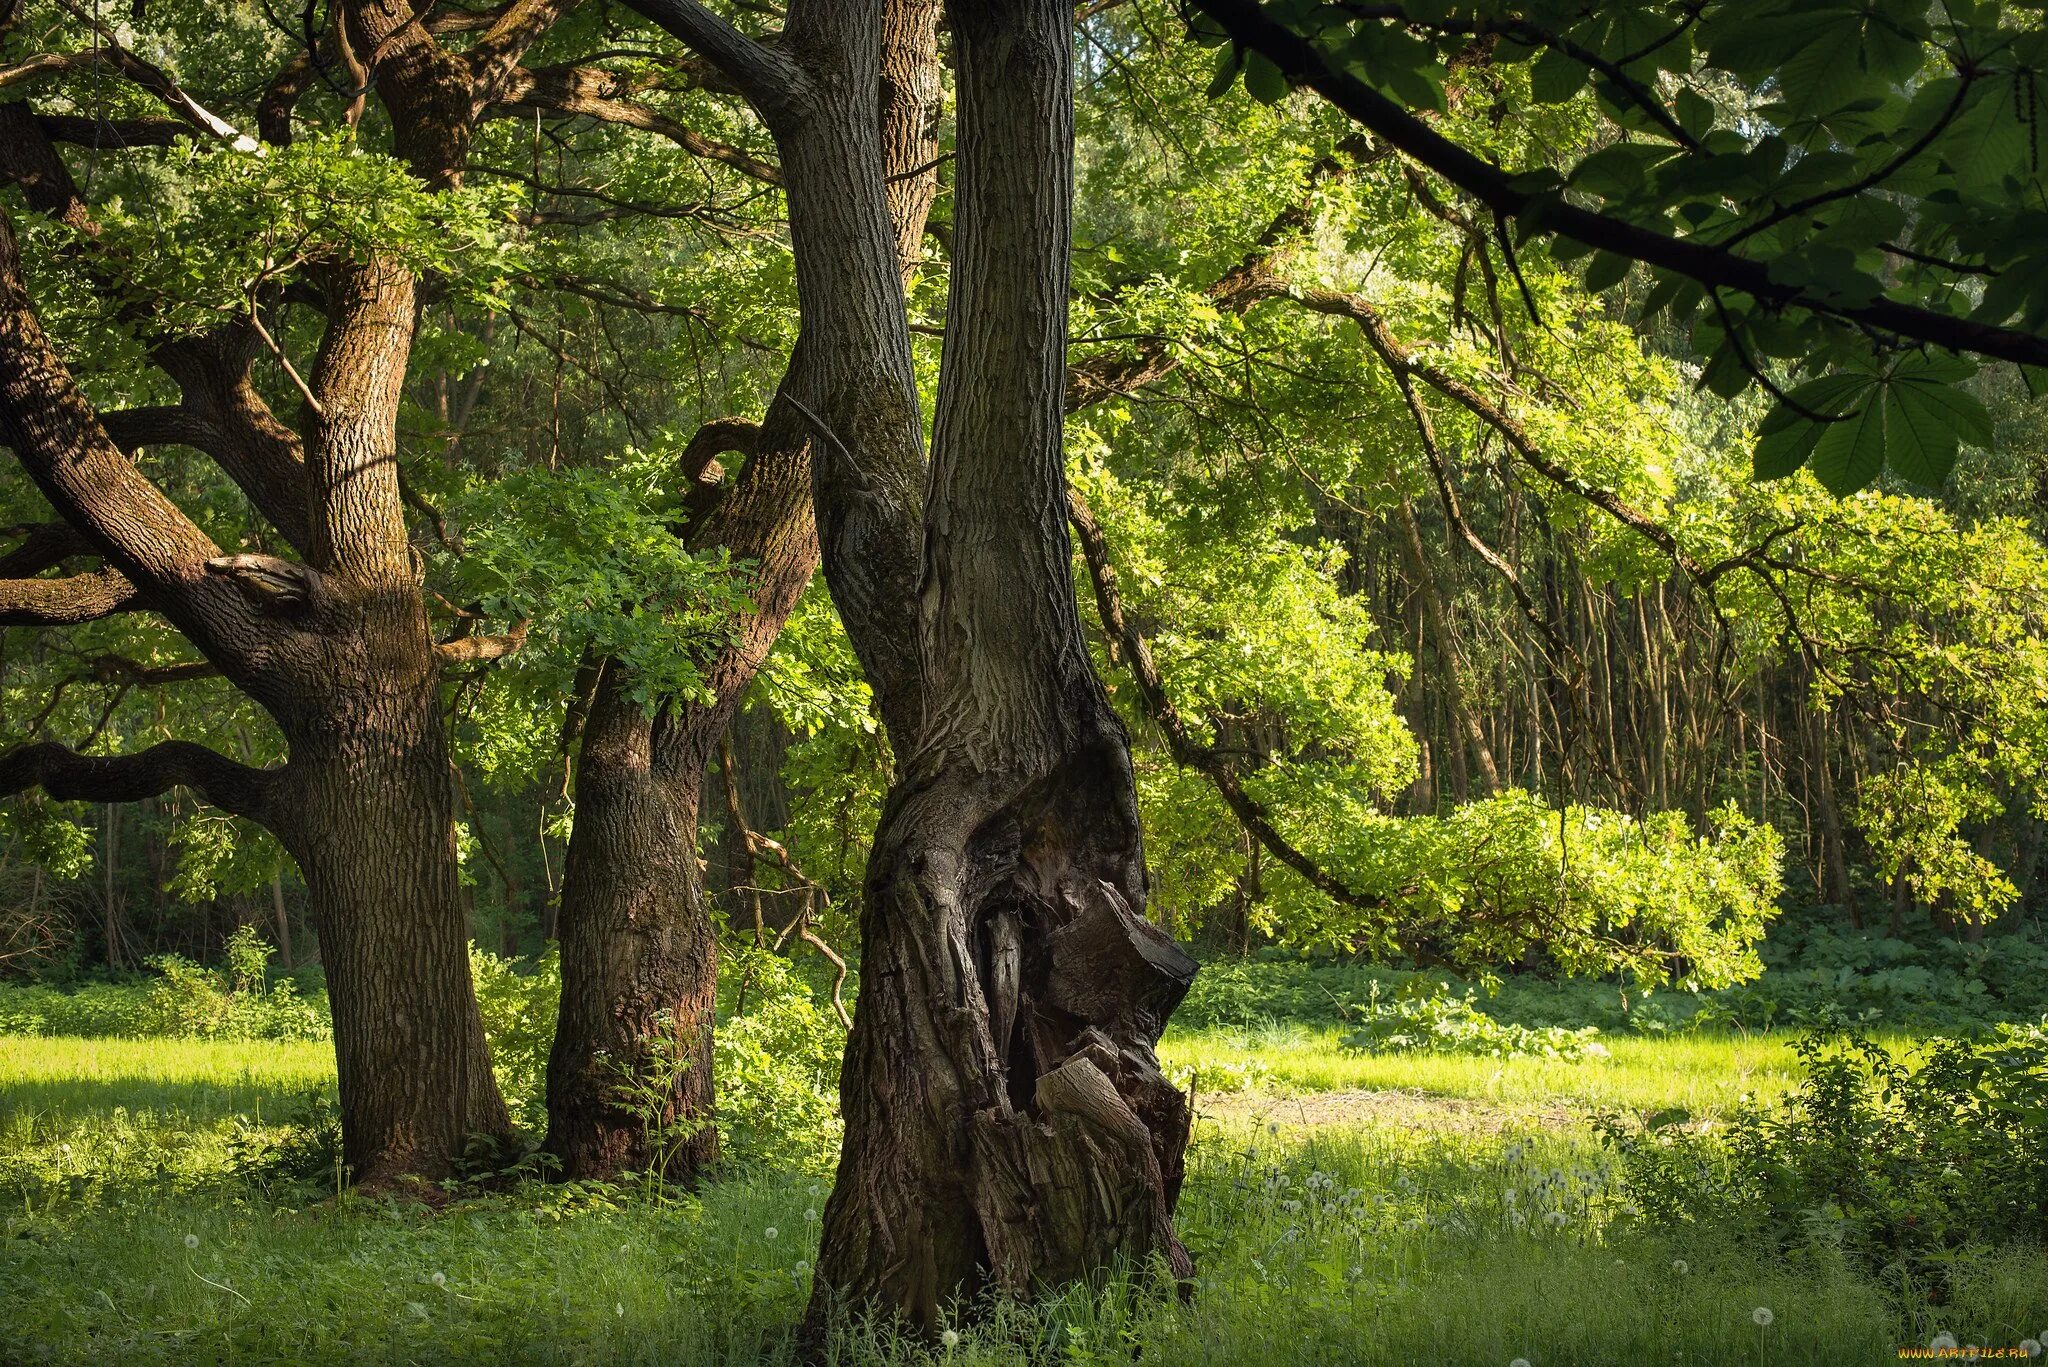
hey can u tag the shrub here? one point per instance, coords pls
(776, 1054)
(518, 1001)
(181, 999)
(1427, 1015)
(1897, 1158)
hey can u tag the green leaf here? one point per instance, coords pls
(1782, 452)
(1726, 374)
(1695, 113)
(1606, 270)
(1850, 453)
(1555, 78)
(1920, 442)
(1228, 60)
(1263, 80)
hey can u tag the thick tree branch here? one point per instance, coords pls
(64, 602)
(481, 649)
(44, 546)
(159, 83)
(772, 83)
(59, 441)
(1251, 26)
(494, 57)
(68, 776)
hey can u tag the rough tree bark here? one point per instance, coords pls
(638, 948)
(336, 646)
(1007, 1122)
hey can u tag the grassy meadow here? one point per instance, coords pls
(1342, 1208)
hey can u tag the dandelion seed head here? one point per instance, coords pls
(810, 1217)
(951, 1338)
(1942, 1340)
(191, 1241)
(439, 1279)
(2031, 1347)
(770, 1233)
(1762, 1316)
(1680, 1266)
(1519, 1362)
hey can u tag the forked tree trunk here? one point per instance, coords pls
(639, 977)
(1007, 1123)
(639, 961)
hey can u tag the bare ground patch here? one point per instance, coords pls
(1408, 1110)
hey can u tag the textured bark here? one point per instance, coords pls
(638, 951)
(337, 647)
(370, 821)
(1007, 1122)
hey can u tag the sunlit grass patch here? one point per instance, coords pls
(1343, 1241)
(1705, 1073)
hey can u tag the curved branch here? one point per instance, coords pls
(1126, 637)
(592, 92)
(44, 546)
(1251, 26)
(481, 649)
(770, 81)
(68, 776)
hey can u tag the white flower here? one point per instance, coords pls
(951, 1338)
(1763, 1316)
(191, 1241)
(2031, 1347)
(439, 1279)
(770, 1233)
(810, 1217)
(1942, 1340)
(1680, 1266)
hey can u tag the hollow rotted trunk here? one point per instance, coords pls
(373, 833)
(640, 979)
(1008, 1126)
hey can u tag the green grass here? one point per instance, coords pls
(1357, 1242)
(1703, 1073)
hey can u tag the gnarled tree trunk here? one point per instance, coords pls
(1007, 1122)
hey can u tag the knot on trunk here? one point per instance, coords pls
(279, 587)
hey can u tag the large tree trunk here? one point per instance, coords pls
(638, 951)
(1007, 1122)
(639, 977)
(372, 828)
